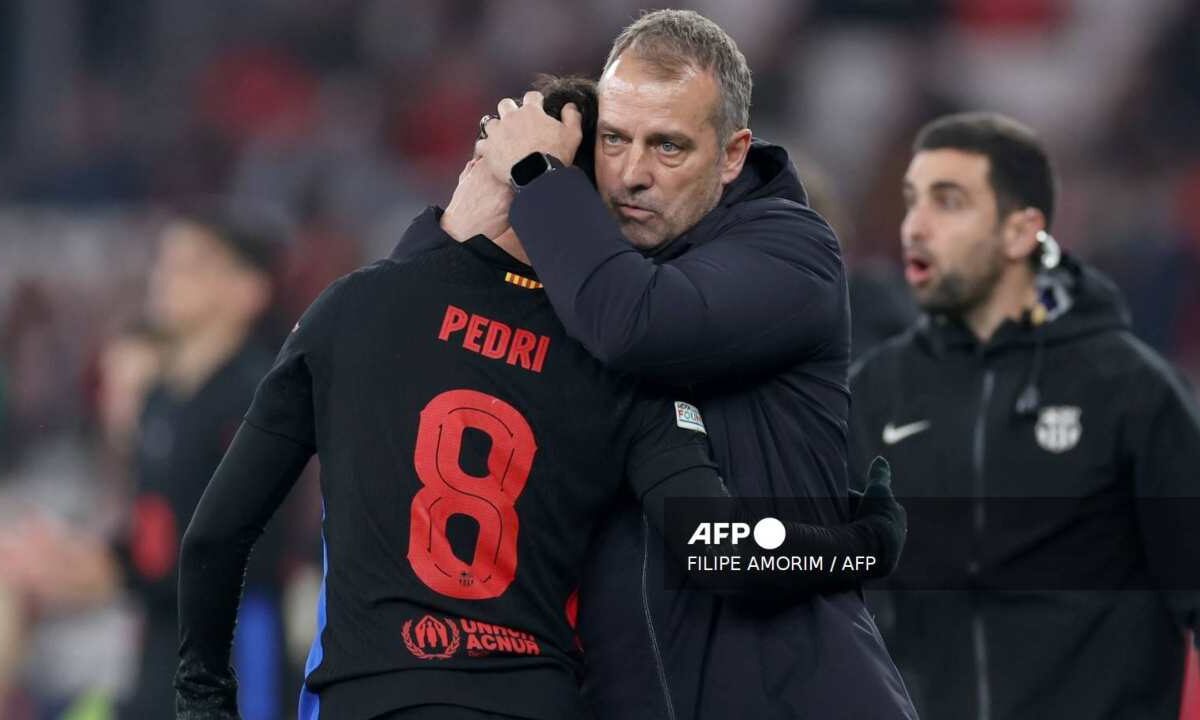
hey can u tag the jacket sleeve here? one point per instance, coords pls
(1164, 455)
(766, 292)
(667, 462)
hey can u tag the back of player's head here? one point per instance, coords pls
(1019, 168)
(557, 92)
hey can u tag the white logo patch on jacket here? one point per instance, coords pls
(687, 416)
(1058, 428)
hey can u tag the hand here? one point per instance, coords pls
(879, 510)
(29, 553)
(55, 567)
(479, 205)
(528, 129)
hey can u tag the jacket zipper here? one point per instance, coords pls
(978, 637)
(658, 661)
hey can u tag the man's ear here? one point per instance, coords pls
(1020, 232)
(733, 155)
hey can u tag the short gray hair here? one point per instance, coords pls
(674, 41)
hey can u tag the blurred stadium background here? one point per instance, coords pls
(342, 118)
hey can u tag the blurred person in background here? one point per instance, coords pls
(169, 405)
(210, 285)
(1070, 450)
(129, 366)
(58, 575)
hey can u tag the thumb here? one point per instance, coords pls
(571, 117)
(880, 472)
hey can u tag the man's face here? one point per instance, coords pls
(658, 162)
(190, 281)
(953, 249)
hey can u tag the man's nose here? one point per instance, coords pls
(636, 173)
(914, 228)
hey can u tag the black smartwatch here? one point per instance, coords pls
(530, 168)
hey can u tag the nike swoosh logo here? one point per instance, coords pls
(893, 434)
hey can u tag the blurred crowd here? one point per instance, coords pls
(335, 121)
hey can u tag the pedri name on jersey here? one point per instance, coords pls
(495, 340)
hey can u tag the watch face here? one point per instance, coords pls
(529, 169)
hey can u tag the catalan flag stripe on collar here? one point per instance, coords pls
(524, 282)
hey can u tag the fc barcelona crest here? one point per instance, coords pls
(1058, 428)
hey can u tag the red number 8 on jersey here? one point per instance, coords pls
(449, 490)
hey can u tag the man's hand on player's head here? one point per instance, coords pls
(480, 202)
(526, 129)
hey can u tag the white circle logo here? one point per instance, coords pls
(769, 533)
(1058, 428)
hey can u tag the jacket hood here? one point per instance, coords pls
(1078, 301)
(1090, 302)
(768, 172)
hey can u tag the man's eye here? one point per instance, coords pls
(669, 147)
(949, 201)
(611, 139)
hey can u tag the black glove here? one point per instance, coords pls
(878, 510)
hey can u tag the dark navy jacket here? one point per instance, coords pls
(1063, 458)
(748, 312)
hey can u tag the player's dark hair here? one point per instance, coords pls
(557, 92)
(256, 243)
(1019, 168)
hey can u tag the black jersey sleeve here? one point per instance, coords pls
(249, 485)
(263, 462)
(283, 402)
(670, 458)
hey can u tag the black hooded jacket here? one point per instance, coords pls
(747, 312)
(1066, 457)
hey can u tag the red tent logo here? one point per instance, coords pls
(431, 638)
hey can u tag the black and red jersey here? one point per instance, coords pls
(468, 447)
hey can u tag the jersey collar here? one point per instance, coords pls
(493, 254)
